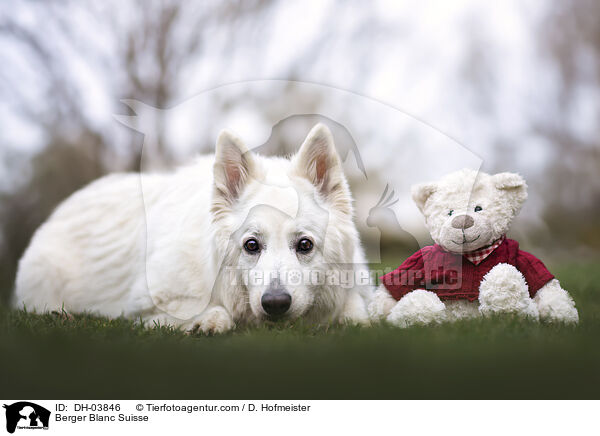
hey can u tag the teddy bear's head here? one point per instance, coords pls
(468, 210)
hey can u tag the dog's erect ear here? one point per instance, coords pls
(234, 165)
(421, 193)
(318, 161)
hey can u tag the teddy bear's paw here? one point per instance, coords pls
(555, 304)
(418, 307)
(381, 304)
(504, 290)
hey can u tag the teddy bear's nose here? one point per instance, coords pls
(463, 222)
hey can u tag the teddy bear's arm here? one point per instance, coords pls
(417, 307)
(410, 275)
(555, 304)
(504, 290)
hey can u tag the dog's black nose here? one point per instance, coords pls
(276, 303)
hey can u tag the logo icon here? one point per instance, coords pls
(26, 415)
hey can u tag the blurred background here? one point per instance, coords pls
(515, 85)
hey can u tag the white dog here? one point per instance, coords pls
(232, 239)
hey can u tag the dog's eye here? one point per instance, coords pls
(451, 212)
(251, 245)
(478, 208)
(304, 245)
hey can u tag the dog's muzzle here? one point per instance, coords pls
(276, 302)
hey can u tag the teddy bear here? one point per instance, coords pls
(473, 269)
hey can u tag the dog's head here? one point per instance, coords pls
(287, 223)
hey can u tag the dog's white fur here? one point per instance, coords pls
(168, 256)
(503, 289)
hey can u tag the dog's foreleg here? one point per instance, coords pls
(381, 304)
(355, 309)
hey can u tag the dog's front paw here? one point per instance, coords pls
(360, 318)
(418, 307)
(355, 312)
(212, 321)
(381, 304)
(504, 290)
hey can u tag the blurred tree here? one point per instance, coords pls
(56, 172)
(144, 48)
(570, 39)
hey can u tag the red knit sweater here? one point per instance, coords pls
(452, 277)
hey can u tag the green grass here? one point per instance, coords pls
(45, 356)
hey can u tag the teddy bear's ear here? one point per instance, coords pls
(515, 185)
(509, 181)
(422, 192)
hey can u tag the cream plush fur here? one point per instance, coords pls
(176, 254)
(503, 289)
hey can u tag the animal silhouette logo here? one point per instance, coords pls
(383, 217)
(26, 415)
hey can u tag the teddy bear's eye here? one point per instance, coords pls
(451, 212)
(478, 208)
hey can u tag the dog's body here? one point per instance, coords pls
(206, 247)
